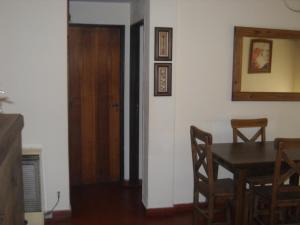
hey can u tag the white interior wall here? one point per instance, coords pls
(204, 77)
(105, 13)
(160, 151)
(137, 10)
(33, 71)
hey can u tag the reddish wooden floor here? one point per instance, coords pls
(115, 205)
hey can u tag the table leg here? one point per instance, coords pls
(294, 180)
(239, 198)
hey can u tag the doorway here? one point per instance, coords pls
(95, 97)
(136, 102)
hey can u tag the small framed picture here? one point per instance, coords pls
(163, 44)
(162, 79)
(260, 57)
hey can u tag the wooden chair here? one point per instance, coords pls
(205, 179)
(236, 124)
(282, 195)
(256, 178)
(261, 124)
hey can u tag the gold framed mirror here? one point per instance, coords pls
(266, 65)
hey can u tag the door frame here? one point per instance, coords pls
(122, 81)
(134, 102)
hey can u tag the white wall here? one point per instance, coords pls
(160, 150)
(33, 70)
(137, 9)
(104, 13)
(204, 78)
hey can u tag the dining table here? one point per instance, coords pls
(245, 160)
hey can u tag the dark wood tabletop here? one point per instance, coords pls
(240, 155)
(246, 155)
(245, 160)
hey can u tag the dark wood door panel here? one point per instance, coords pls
(94, 90)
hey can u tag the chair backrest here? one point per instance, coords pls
(202, 157)
(249, 123)
(286, 165)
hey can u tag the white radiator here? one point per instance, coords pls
(32, 182)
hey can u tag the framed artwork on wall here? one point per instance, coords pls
(162, 79)
(260, 57)
(163, 44)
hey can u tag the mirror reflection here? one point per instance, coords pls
(266, 64)
(283, 60)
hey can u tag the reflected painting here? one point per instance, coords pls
(260, 57)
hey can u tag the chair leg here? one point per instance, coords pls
(196, 194)
(196, 202)
(195, 217)
(298, 214)
(228, 213)
(272, 216)
(210, 211)
(284, 215)
(247, 208)
(254, 210)
(251, 205)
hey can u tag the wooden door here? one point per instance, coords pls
(94, 104)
